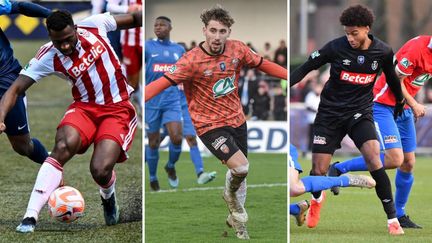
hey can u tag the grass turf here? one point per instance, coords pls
(199, 216)
(357, 215)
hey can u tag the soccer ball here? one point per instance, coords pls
(66, 204)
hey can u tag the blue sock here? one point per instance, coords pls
(355, 164)
(152, 158)
(319, 183)
(39, 153)
(404, 182)
(196, 159)
(174, 154)
(294, 209)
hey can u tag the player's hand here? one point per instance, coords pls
(5, 7)
(2, 127)
(133, 8)
(419, 110)
(398, 109)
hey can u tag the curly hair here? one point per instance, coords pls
(217, 13)
(58, 20)
(357, 15)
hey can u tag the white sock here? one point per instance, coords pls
(318, 199)
(107, 191)
(241, 192)
(390, 221)
(48, 179)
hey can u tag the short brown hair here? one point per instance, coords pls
(217, 13)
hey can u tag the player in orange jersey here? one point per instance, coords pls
(210, 73)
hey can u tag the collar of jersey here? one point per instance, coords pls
(204, 50)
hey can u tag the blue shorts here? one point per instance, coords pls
(16, 120)
(155, 118)
(188, 127)
(395, 134)
(293, 159)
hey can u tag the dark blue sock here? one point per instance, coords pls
(355, 164)
(404, 182)
(174, 154)
(319, 183)
(196, 159)
(39, 153)
(152, 158)
(294, 209)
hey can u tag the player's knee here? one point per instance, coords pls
(296, 189)
(318, 170)
(191, 140)
(394, 159)
(154, 143)
(176, 139)
(241, 170)
(408, 165)
(101, 174)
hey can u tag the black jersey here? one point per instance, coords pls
(352, 76)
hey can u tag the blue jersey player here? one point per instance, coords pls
(164, 109)
(17, 127)
(316, 183)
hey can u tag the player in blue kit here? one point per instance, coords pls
(164, 109)
(316, 183)
(17, 127)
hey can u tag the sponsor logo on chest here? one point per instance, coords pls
(224, 86)
(162, 67)
(87, 60)
(357, 78)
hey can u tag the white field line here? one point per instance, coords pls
(220, 188)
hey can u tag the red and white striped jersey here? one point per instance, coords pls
(132, 36)
(93, 69)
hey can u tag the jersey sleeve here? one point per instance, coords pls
(315, 61)
(407, 58)
(251, 58)
(104, 22)
(391, 77)
(180, 72)
(39, 66)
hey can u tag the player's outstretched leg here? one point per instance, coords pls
(298, 210)
(49, 177)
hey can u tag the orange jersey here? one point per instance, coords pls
(211, 82)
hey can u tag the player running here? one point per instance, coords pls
(316, 183)
(210, 73)
(16, 120)
(101, 112)
(398, 137)
(346, 103)
(164, 109)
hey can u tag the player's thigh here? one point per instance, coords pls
(16, 119)
(406, 127)
(362, 130)
(105, 155)
(77, 117)
(386, 127)
(220, 142)
(118, 125)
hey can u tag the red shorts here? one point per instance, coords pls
(132, 59)
(96, 122)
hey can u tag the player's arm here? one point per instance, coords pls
(21, 84)
(273, 69)
(419, 110)
(394, 84)
(29, 9)
(315, 61)
(157, 86)
(115, 7)
(127, 21)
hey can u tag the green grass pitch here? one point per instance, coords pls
(199, 215)
(47, 102)
(356, 215)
